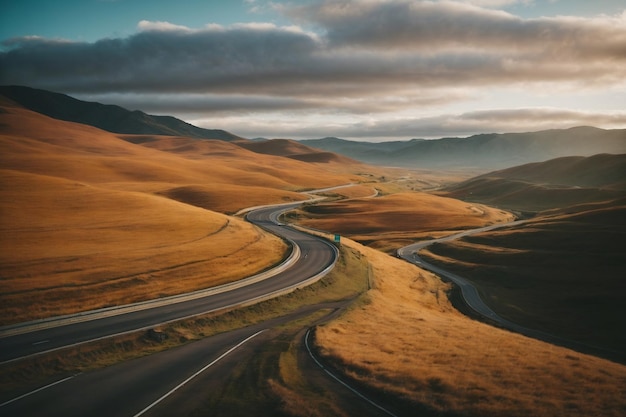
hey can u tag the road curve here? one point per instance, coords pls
(468, 290)
(171, 382)
(318, 256)
(475, 302)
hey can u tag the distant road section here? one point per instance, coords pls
(469, 292)
(475, 302)
(314, 258)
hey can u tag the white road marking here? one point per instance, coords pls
(306, 343)
(37, 390)
(223, 355)
(41, 342)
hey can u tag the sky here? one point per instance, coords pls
(372, 70)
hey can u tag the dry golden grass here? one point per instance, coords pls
(391, 221)
(89, 220)
(68, 246)
(232, 164)
(230, 198)
(407, 339)
(355, 191)
(35, 143)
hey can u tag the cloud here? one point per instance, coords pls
(193, 104)
(498, 3)
(381, 45)
(162, 57)
(146, 25)
(434, 27)
(360, 57)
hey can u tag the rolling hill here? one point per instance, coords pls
(106, 117)
(561, 271)
(295, 150)
(557, 183)
(485, 151)
(90, 219)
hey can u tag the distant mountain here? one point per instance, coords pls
(488, 151)
(555, 184)
(111, 118)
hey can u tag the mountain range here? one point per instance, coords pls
(107, 117)
(485, 151)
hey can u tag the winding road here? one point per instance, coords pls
(313, 258)
(177, 381)
(474, 301)
(469, 292)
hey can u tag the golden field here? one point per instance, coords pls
(405, 338)
(89, 219)
(390, 221)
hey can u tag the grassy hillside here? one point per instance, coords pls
(90, 220)
(390, 221)
(406, 339)
(560, 272)
(557, 183)
(295, 150)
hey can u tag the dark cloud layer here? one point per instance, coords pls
(390, 43)
(364, 56)
(153, 60)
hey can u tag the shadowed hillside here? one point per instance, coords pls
(486, 151)
(562, 271)
(557, 183)
(107, 117)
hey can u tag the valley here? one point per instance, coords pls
(94, 218)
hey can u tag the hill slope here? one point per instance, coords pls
(294, 150)
(107, 117)
(557, 183)
(560, 272)
(88, 219)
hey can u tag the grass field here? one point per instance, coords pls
(69, 247)
(407, 339)
(89, 219)
(561, 274)
(393, 220)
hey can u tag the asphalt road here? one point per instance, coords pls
(317, 256)
(470, 293)
(473, 300)
(129, 388)
(175, 382)
(468, 290)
